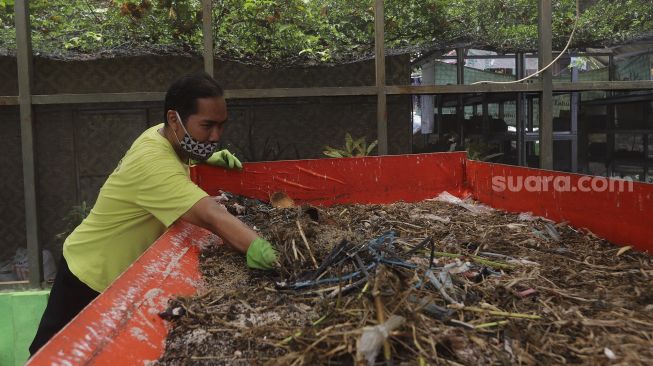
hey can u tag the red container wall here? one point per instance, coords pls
(330, 181)
(121, 327)
(619, 211)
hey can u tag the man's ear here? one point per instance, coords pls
(171, 116)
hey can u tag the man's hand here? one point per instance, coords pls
(261, 255)
(224, 159)
(209, 214)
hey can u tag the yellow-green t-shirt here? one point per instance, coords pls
(148, 191)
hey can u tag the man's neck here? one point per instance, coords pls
(169, 135)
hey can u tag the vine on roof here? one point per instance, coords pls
(292, 32)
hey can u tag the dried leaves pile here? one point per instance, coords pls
(453, 282)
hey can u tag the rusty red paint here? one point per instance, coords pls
(316, 174)
(294, 184)
(121, 326)
(624, 218)
(361, 180)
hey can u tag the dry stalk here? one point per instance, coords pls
(310, 252)
(380, 313)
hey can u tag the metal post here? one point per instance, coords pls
(546, 98)
(460, 108)
(428, 78)
(612, 113)
(574, 110)
(460, 66)
(646, 152)
(485, 127)
(530, 122)
(530, 107)
(24, 60)
(645, 141)
(207, 35)
(438, 117)
(650, 63)
(379, 53)
(520, 115)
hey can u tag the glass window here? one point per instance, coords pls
(597, 168)
(597, 147)
(636, 67)
(510, 114)
(628, 171)
(561, 69)
(481, 66)
(592, 68)
(628, 146)
(445, 70)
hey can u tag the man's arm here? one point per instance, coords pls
(214, 217)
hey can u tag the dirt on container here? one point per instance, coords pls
(471, 285)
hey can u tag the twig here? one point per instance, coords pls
(294, 249)
(342, 290)
(438, 285)
(404, 223)
(289, 338)
(492, 324)
(419, 347)
(363, 291)
(299, 332)
(501, 313)
(310, 252)
(215, 358)
(478, 249)
(334, 351)
(563, 294)
(380, 316)
(461, 323)
(477, 259)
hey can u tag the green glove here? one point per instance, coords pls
(225, 159)
(261, 255)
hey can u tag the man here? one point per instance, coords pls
(148, 191)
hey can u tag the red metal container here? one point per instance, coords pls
(121, 327)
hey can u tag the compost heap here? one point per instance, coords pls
(447, 281)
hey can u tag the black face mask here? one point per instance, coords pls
(197, 150)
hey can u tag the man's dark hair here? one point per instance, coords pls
(183, 94)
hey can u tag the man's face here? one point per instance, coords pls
(208, 123)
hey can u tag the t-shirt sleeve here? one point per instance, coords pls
(167, 191)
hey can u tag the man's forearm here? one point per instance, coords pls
(214, 217)
(233, 231)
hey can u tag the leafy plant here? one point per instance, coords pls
(351, 148)
(482, 151)
(282, 32)
(73, 218)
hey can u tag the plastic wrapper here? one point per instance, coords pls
(372, 339)
(469, 205)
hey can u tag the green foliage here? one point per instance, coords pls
(73, 218)
(483, 151)
(351, 148)
(314, 31)
(84, 26)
